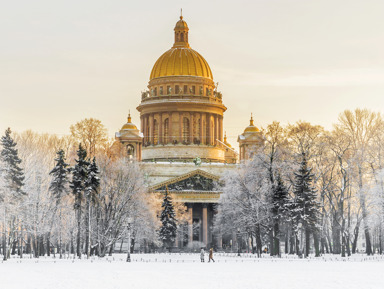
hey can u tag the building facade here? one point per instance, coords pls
(181, 142)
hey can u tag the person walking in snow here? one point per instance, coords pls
(211, 255)
(202, 255)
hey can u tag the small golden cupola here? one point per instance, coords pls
(129, 124)
(250, 141)
(251, 127)
(131, 138)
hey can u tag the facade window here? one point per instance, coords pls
(177, 89)
(185, 89)
(206, 91)
(182, 37)
(130, 151)
(161, 90)
(193, 90)
(155, 91)
(166, 131)
(169, 90)
(201, 90)
(155, 132)
(185, 129)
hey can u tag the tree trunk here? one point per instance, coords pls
(316, 243)
(78, 237)
(307, 241)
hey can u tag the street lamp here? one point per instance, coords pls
(129, 221)
(238, 241)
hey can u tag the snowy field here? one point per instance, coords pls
(185, 271)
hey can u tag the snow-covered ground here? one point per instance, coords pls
(185, 271)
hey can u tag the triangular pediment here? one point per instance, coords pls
(197, 180)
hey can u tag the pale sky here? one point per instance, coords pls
(63, 61)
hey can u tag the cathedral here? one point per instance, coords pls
(180, 144)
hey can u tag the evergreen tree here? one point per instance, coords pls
(13, 177)
(11, 171)
(59, 173)
(306, 208)
(279, 211)
(58, 187)
(79, 178)
(168, 220)
(92, 185)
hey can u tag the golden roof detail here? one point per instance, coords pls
(129, 124)
(251, 127)
(181, 59)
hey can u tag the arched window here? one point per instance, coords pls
(130, 151)
(166, 130)
(182, 37)
(155, 132)
(185, 129)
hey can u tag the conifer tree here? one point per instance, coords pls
(13, 177)
(168, 220)
(13, 174)
(279, 210)
(58, 187)
(79, 178)
(306, 208)
(92, 185)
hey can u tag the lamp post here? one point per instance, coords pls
(238, 241)
(129, 221)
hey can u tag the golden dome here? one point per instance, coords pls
(129, 124)
(181, 24)
(251, 127)
(181, 59)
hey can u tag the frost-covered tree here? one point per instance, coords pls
(245, 203)
(168, 220)
(92, 185)
(306, 206)
(280, 201)
(13, 177)
(59, 188)
(78, 185)
(12, 172)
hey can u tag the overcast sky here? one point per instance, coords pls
(63, 61)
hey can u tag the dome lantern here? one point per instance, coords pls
(181, 34)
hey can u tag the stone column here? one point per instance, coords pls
(201, 128)
(180, 127)
(170, 132)
(191, 126)
(209, 136)
(141, 124)
(220, 128)
(216, 129)
(161, 129)
(190, 224)
(145, 129)
(151, 128)
(205, 224)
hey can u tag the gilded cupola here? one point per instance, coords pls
(181, 59)
(251, 127)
